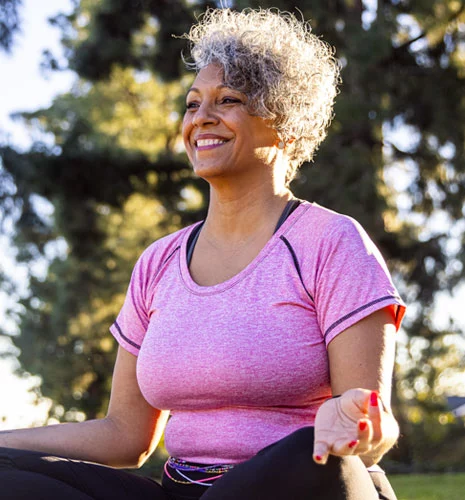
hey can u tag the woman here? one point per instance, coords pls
(267, 330)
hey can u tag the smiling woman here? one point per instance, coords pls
(288, 74)
(266, 331)
(221, 137)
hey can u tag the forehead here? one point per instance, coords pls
(210, 79)
(212, 74)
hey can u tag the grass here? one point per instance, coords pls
(429, 486)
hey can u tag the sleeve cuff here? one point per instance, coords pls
(125, 342)
(362, 312)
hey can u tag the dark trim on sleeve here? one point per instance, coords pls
(129, 341)
(296, 264)
(160, 267)
(361, 308)
(170, 255)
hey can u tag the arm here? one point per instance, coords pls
(124, 438)
(357, 423)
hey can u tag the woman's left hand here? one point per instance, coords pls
(356, 423)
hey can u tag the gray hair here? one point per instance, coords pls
(289, 75)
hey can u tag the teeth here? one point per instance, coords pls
(209, 142)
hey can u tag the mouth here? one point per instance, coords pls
(205, 144)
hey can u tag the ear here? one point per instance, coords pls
(290, 140)
(281, 143)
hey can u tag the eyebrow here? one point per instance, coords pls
(218, 87)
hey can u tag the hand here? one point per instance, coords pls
(356, 423)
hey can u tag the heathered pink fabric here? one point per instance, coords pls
(244, 363)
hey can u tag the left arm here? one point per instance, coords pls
(361, 362)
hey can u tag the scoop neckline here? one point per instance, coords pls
(197, 289)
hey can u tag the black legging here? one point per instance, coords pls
(282, 471)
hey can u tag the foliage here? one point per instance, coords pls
(9, 23)
(111, 166)
(115, 188)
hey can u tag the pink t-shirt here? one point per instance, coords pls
(244, 363)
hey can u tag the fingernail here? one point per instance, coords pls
(318, 458)
(362, 426)
(352, 444)
(374, 399)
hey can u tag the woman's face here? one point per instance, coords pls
(220, 136)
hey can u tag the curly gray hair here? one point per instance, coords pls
(289, 75)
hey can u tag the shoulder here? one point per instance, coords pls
(320, 225)
(321, 237)
(161, 250)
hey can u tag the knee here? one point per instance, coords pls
(6, 458)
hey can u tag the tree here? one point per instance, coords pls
(115, 155)
(105, 161)
(9, 22)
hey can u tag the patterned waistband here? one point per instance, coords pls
(183, 472)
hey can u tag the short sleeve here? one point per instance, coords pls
(133, 319)
(352, 280)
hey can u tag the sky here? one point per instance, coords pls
(24, 88)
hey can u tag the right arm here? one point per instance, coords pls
(125, 437)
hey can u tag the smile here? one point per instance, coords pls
(203, 144)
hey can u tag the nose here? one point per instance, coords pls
(204, 115)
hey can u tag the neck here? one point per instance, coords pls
(236, 213)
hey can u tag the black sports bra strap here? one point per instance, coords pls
(291, 205)
(194, 236)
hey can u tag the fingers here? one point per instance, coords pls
(320, 453)
(355, 437)
(340, 448)
(369, 429)
(354, 424)
(365, 435)
(375, 415)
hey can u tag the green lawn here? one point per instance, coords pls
(429, 486)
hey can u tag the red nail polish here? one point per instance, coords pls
(362, 426)
(352, 444)
(317, 457)
(374, 399)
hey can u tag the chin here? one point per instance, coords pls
(208, 171)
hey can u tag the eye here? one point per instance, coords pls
(192, 105)
(230, 100)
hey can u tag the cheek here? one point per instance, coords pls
(184, 126)
(185, 132)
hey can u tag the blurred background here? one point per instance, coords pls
(92, 170)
